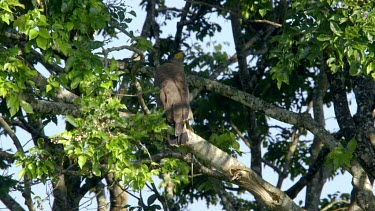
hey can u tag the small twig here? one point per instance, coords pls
(275, 168)
(159, 196)
(244, 139)
(267, 22)
(141, 101)
(145, 149)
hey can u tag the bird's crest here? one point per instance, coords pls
(179, 55)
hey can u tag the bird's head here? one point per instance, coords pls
(178, 57)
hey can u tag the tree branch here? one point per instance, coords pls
(10, 203)
(341, 105)
(303, 120)
(333, 203)
(226, 199)
(61, 95)
(7, 156)
(54, 108)
(293, 191)
(11, 134)
(180, 24)
(268, 195)
(27, 189)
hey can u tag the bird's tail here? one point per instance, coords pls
(180, 136)
(178, 140)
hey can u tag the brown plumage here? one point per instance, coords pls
(174, 96)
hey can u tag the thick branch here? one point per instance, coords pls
(180, 25)
(54, 108)
(341, 105)
(271, 197)
(100, 197)
(10, 203)
(293, 191)
(61, 95)
(302, 120)
(365, 197)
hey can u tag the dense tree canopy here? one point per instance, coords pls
(292, 60)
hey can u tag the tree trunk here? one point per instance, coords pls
(314, 188)
(64, 197)
(117, 195)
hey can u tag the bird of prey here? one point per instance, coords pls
(174, 96)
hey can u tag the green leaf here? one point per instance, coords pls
(76, 81)
(324, 37)
(71, 120)
(352, 145)
(295, 4)
(48, 88)
(44, 33)
(82, 161)
(41, 42)
(6, 18)
(33, 33)
(133, 13)
(13, 103)
(335, 28)
(69, 62)
(96, 171)
(262, 12)
(21, 173)
(151, 199)
(26, 107)
(354, 69)
(106, 85)
(370, 68)
(69, 26)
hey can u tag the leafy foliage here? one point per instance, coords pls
(55, 59)
(342, 156)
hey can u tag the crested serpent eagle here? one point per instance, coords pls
(174, 97)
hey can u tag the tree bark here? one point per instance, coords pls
(100, 197)
(315, 186)
(265, 193)
(117, 196)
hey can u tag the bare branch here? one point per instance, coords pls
(238, 173)
(27, 189)
(61, 95)
(7, 156)
(303, 120)
(333, 203)
(141, 101)
(238, 132)
(361, 183)
(55, 108)
(11, 134)
(267, 22)
(275, 168)
(10, 203)
(127, 47)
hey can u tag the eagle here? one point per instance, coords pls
(174, 97)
